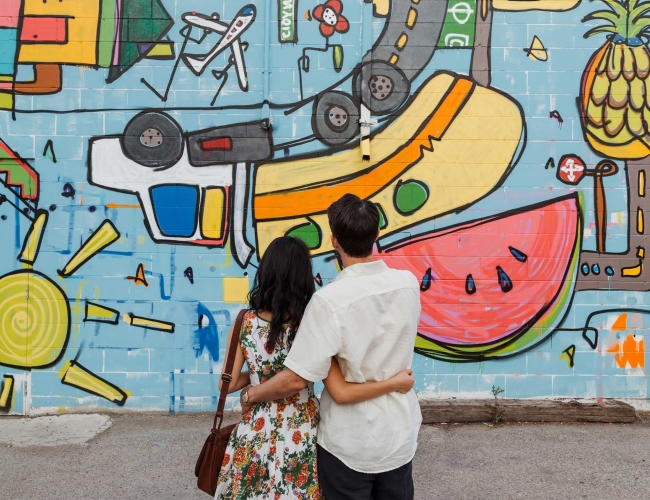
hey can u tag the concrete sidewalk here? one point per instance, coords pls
(147, 456)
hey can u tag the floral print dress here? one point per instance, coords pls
(272, 452)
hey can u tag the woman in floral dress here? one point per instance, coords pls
(272, 452)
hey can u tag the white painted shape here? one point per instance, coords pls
(112, 170)
(52, 431)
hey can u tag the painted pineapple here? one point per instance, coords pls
(615, 90)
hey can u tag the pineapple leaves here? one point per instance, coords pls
(599, 29)
(603, 15)
(617, 7)
(627, 18)
(640, 27)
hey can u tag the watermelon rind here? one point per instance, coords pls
(527, 336)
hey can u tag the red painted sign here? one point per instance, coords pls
(571, 169)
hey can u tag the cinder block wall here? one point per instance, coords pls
(149, 154)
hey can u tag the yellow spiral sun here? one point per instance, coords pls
(34, 320)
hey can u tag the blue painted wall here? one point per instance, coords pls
(179, 257)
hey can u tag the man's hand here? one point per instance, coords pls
(284, 384)
(404, 381)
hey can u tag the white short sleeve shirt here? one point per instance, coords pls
(367, 317)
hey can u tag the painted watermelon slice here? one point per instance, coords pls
(495, 286)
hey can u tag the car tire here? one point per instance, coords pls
(153, 140)
(387, 87)
(335, 118)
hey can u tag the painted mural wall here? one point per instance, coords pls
(150, 150)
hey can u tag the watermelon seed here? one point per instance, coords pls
(518, 254)
(426, 281)
(470, 286)
(504, 281)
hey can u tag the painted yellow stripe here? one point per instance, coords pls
(640, 253)
(122, 205)
(7, 389)
(632, 272)
(152, 324)
(292, 203)
(412, 17)
(33, 239)
(214, 207)
(101, 238)
(80, 377)
(640, 224)
(298, 173)
(393, 59)
(401, 41)
(642, 183)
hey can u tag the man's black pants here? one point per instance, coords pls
(339, 482)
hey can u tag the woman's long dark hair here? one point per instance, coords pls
(284, 284)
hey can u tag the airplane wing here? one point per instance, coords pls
(238, 54)
(206, 22)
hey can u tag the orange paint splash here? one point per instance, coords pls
(121, 205)
(620, 323)
(631, 351)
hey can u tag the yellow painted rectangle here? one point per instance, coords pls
(7, 391)
(401, 41)
(161, 50)
(393, 59)
(72, 373)
(96, 313)
(235, 290)
(33, 239)
(642, 183)
(640, 224)
(412, 17)
(6, 100)
(150, 324)
(214, 208)
(83, 23)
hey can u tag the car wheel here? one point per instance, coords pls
(153, 139)
(383, 88)
(335, 119)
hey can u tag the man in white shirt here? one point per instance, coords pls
(367, 317)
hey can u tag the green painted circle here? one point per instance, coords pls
(410, 196)
(309, 233)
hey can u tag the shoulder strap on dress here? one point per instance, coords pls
(226, 376)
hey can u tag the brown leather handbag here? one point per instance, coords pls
(210, 460)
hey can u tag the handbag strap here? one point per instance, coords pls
(226, 376)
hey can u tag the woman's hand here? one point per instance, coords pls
(403, 381)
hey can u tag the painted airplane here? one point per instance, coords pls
(231, 34)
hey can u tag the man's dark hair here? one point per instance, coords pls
(354, 223)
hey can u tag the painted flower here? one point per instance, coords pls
(297, 437)
(331, 20)
(226, 460)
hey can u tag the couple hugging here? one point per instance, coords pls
(356, 335)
